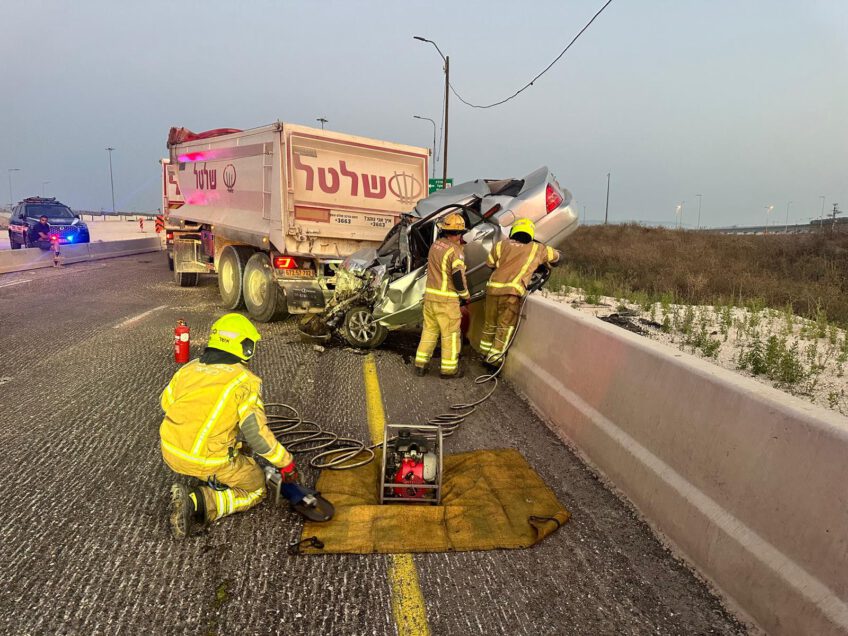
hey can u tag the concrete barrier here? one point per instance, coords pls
(750, 484)
(35, 258)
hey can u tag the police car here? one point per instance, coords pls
(64, 224)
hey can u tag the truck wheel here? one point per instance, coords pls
(186, 279)
(263, 297)
(360, 331)
(231, 268)
(170, 262)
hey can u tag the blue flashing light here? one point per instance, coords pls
(70, 239)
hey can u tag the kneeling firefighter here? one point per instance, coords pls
(207, 403)
(446, 288)
(514, 261)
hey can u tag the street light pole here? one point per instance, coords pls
(786, 228)
(11, 198)
(433, 166)
(699, 209)
(111, 179)
(769, 208)
(447, 102)
(323, 121)
(606, 211)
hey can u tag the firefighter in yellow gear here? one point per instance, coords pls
(207, 404)
(514, 261)
(446, 286)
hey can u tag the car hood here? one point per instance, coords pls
(441, 198)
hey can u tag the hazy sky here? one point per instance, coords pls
(743, 101)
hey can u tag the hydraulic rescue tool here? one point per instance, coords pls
(412, 464)
(303, 500)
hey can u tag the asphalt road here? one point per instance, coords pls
(84, 540)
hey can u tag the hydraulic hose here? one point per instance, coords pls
(340, 453)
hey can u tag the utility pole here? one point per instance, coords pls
(769, 208)
(821, 218)
(323, 121)
(606, 211)
(584, 215)
(447, 98)
(699, 209)
(786, 228)
(11, 198)
(111, 179)
(447, 101)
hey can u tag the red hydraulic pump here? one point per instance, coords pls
(182, 342)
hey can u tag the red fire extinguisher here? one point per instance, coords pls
(182, 342)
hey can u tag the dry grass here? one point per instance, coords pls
(808, 272)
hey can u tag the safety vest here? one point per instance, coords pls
(514, 264)
(205, 405)
(444, 258)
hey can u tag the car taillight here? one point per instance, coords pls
(284, 262)
(169, 236)
(552, 198)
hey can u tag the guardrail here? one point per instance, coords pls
(35, 258)
(750, 484)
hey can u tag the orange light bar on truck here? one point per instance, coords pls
(284, 262)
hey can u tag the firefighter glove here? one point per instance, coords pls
(289, 473)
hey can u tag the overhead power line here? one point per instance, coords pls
(546, 69)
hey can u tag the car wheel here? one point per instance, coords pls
(231, 266)
(170, 261)
(263, 297)
(186, 279)
(361, 331)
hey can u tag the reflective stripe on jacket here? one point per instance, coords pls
(514, 264)
(445, 258)
(205, 407)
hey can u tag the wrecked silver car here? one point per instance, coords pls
(379, 290)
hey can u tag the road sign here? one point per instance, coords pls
(439, 184)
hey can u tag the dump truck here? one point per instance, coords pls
(273, 211)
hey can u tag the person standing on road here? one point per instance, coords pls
(446, 288)
(207, 403)
(40, 232)
(514, 261)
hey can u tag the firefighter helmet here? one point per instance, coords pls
(453, 222)
(523, 225)
(234, 334)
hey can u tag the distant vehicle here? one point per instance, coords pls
(64, 224)
(274, 210)
(383, 289)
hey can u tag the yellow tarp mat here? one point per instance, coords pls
(491, 499)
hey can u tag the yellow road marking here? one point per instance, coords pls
(407, 600)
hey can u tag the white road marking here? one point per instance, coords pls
(16, 282)
(130, 321)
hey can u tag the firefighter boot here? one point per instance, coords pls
(187, 510)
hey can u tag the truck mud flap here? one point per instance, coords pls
(304, 299)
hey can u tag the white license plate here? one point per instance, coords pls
(299, 273)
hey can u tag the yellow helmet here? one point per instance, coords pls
(453, 222)
(234, 334)
(524, 225)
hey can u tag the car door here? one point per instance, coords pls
(479, 241)
(18, 225)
